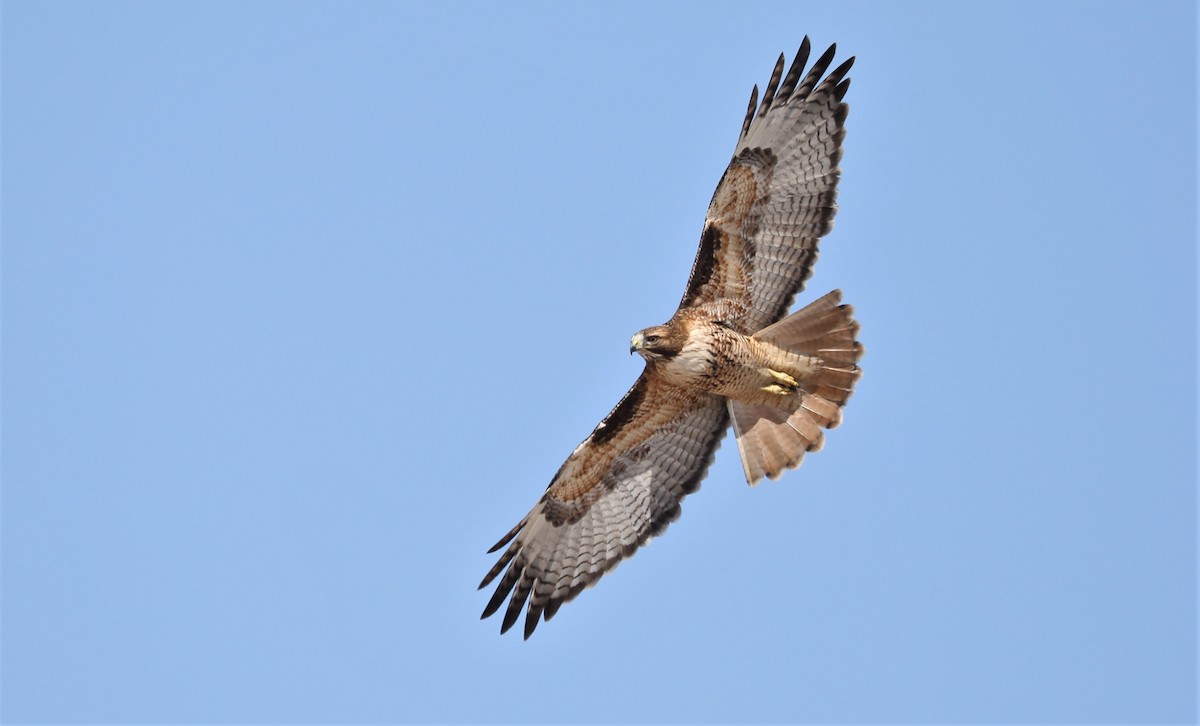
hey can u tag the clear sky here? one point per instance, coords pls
(304, 304)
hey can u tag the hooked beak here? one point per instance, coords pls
(635, 344)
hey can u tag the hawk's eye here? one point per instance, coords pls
(651, 339)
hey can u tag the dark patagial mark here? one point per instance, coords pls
(621, 415)
(706, 262)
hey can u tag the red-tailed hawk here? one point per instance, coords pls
(725, 356)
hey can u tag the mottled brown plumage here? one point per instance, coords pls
(725, 355)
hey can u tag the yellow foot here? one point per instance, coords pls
(783, 385)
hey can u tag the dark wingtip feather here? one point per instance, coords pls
(515, 604)
(508, 537)
(531, 618)
(840, 92)
(750, 109)
(772, 85)
(837, 74)
(793, 74)
(502, 590)
(499, 566)
(815, 73)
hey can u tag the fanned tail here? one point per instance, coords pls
(771, 439)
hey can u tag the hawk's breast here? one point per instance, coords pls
(699, 364)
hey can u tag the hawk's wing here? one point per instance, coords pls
(619, 488)
(777, 197)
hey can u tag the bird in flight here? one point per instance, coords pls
(729, 354)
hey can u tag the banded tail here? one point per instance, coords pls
(771, 439)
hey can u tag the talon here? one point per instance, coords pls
(786, 383)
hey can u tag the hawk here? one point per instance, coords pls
(727, 355)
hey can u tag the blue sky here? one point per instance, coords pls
(304, 304)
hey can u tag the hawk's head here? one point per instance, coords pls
(658, 343)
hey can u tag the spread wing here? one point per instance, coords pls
(619, 488)
(778, 195)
